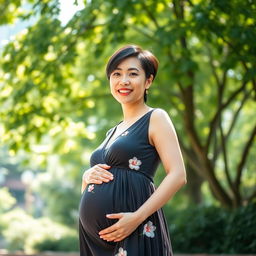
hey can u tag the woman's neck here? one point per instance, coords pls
(131, 112)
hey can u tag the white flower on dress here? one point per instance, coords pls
(149, 229)
(125, 133)
(91, 188)
(121, 252)
(134, 163)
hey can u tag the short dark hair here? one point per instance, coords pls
(148, 61)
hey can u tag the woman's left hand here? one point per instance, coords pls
(126, 224)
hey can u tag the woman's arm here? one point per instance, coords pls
(163, 136)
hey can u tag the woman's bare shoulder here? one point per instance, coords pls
(160, 116)
(161, 126)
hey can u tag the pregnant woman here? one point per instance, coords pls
(120, 209)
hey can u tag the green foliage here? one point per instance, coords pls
(9, 11)
(7, 201)
(17, 228)
(63, 191)
(240, 231)
(67, 243)
(214, 230)
(196, 230)
(23, 232)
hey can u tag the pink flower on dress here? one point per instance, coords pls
(149, 229)
(121, 252)
(91, 188)
(134, 163)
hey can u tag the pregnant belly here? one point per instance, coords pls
(125, 193)
(96, 202)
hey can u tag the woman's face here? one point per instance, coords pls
(128, 81)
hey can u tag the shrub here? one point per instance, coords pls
(23, 232)
(196, 230)
(7, 201)
(68, 243)
(17, 228)
(214, 230)
(241, 231)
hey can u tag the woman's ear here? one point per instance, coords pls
(149, 81)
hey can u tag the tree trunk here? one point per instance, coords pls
(194, 186)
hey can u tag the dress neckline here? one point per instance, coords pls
(106, 145)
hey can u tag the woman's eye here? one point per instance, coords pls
(116, 74)
(133, 74)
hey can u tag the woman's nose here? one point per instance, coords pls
(125, 80)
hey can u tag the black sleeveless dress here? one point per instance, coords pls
(133, 163)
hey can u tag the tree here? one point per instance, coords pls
(52, 81)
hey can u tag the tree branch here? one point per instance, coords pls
(225, 157)
(175, 8)
(150, 14)
(232, 125)
(212, 67)
(188, 92)
(151, 37)
(235, 116)
(190, 3)
(241, 164)
(170, 100)
(254, 87)
(252, 196)
(214, 121)
(215, 150)
(192, 159)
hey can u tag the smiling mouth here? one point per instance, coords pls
(124, 92)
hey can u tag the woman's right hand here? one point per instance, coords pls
(97, 175)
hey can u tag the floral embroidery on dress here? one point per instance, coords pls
(91, 188)
(134, 163)
(121, 252)
(149, 229)
(125, 133)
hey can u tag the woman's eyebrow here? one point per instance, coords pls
(129, 69)
(133, 69)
